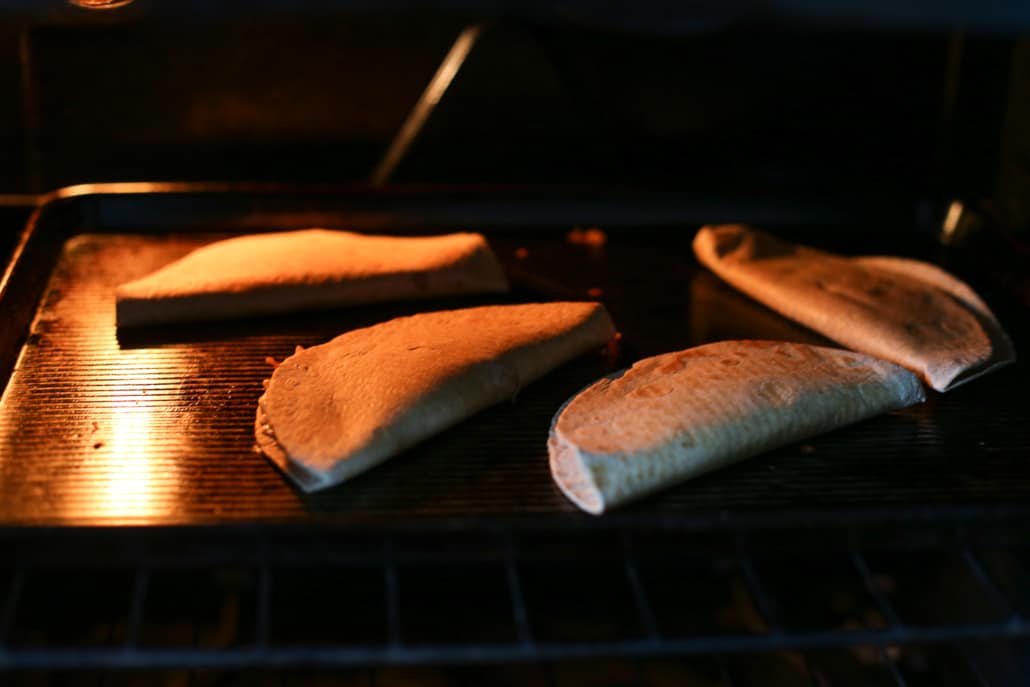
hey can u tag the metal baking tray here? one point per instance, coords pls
(155, 426)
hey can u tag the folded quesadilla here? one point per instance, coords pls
(281, 272)
(909, 312)
(332, 411)
(678, 415)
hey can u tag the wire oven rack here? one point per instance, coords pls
(865, 597)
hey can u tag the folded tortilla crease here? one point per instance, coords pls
(285, 271)
(909, 312)
(674, 416)
(335, 410)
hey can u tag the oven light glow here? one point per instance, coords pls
(130, 471)
(951, 221)
(136, 472)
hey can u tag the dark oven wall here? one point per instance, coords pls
(741, 108)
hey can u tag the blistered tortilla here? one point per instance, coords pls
(333, 411)
(315, 268)
(675, 416)
(911, 313)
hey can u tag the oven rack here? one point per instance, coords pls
(259, 600)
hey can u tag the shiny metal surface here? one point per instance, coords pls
(155, 427)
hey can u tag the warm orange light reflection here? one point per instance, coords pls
(134, 470)
(951, 221)
(593, 237)
(130, 472)
(117, 187)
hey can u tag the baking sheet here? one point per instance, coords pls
(155, 426)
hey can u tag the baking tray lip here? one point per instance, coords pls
(1006, 515)
(632, 204)
(759, 519)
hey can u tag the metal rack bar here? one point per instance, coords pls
(436, 654)
(518, 602)
(644, 611)
(427, 102)
(11, 605)
(989, 586)
(216, 558)
(136, 608)
(885, 607)
(393, 622)
(812, 679)
(263, 613)
(758, 591)
(892, 667)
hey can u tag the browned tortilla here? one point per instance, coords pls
(287, 271)
(335, 410)
(908, 312)
(678, 415)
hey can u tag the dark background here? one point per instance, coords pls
(788, 100)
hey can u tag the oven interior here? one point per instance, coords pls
(145, 542)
